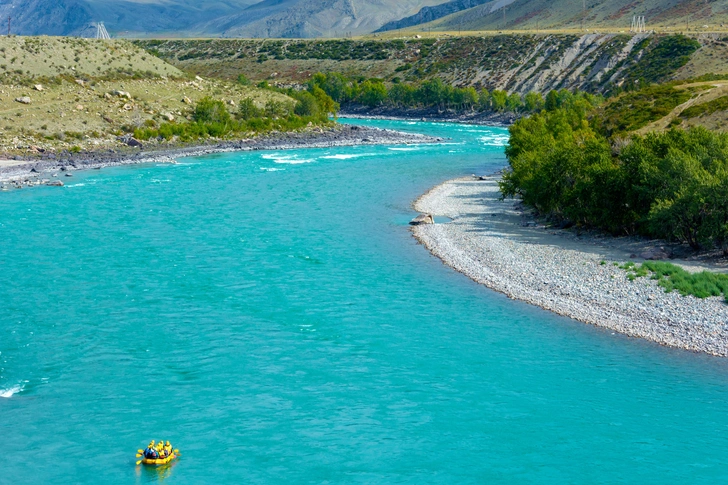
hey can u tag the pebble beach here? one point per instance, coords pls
(496, 244)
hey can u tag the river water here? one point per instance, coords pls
(271, 314)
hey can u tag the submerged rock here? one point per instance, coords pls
(422, 219)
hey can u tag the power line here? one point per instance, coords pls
(639, 25)
(101, 32)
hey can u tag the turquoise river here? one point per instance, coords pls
(271, 314)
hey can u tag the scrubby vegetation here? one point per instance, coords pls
(671, 185)
(634, 110)
(659, 59)
(501, 61)
(212, 118)
(705, 109)
(674, 278)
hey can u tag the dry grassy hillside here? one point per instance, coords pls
(53, 56)
(75, 94)
(67, 115)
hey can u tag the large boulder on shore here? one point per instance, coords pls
(655, 254)
(422, 219)
(130, 141)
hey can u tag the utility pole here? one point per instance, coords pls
(504, 17)
(9, 25)
(583, 13)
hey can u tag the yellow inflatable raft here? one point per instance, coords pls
(157, 461)
(160, 461)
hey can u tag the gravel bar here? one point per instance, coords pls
(20, 173)
(492, 242)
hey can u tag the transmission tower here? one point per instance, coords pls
(101, 32)
(639, 25)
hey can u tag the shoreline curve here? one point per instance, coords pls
(499, 246)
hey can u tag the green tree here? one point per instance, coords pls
(373, 93)
(514, 103)
(498, 100)
(533, 102)
(306, 105)
(248, 110)
(208, 110)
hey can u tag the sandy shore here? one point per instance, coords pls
(42, 170)
(495, 244)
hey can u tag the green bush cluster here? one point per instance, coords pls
(211, 118)
(432, 93)
(671, 185)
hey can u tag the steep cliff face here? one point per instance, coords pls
(592, 62)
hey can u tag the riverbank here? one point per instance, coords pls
(47, 168)
(496, 244)
(429, 114)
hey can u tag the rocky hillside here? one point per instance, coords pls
(698, 15)
(517, 63)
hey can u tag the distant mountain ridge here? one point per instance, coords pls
(429, 14)
(316, 18)
(569, 14)
(339, 18)
(227, 18)
(73, 17)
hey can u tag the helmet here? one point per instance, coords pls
(168, 443)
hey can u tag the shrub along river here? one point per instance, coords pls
(272, 316)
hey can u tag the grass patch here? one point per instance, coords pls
(719, 104)
(674, 278)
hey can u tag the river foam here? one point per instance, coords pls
(10, 392)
